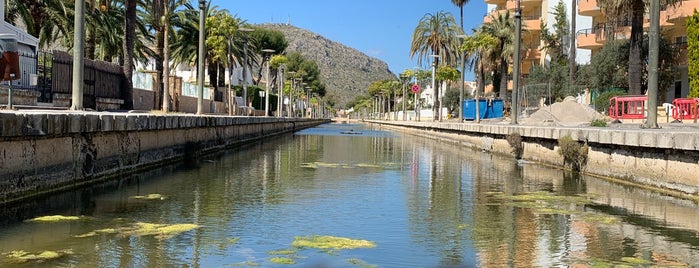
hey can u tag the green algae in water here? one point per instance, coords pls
(282, 252)
(330, 242)
(634, 261)
(282, 260)
(605, 219)
(544, 197)
(149, 197)
(159, 230)
(96, 232)
(21, 256)
(361, 263)
(463, 226)
(55, 218)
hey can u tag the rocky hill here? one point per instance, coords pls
(345, 71)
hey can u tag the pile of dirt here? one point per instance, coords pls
(565, 113)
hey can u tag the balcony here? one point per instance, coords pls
(495, 2)
(533, 53)
(587, 39)
(531, 3)
(677, 15)
(532, 23)
(511, 5)
(588, 8)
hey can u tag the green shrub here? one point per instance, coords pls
(602, 101)
(574, 154)
(598, 123)
(515, 141)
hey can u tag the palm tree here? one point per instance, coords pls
(502, 27)
(129, 44)
(460, 4)
(623, 9)
(47, 20)
(481, 48)
(436, 34)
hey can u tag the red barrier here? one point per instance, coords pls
(628, 107)
(684, 109)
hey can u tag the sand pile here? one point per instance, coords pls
(566, 113)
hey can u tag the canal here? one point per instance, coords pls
(352, 195)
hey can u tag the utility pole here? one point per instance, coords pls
(78, 56)
(653, 55)
(516, 71)
(200, 64)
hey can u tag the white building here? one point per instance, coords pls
(27, 48)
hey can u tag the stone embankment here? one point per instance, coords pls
(666, 159)
(43, 152)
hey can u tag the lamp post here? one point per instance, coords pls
(268, 54)
(438, 112)
(405, 98)
(516, 67)
(200, 64)
(308, 102)
(280, 99)
(290, 105)
(245, 32)
(463, 77)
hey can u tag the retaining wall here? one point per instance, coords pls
(42, 153)
(666, 160)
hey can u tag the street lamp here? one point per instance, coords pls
(516, 68)
(280, 99)
(438, 112)
(290, 105)
(245, 32)
(267, 54)
(463, 77)
(200, 64)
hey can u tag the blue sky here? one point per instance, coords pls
(379, 28)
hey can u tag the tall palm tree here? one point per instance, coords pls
(436, 34)
(460, 4)
(502, 27)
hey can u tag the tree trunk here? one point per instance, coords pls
(503, 79)
(159, 44)
(90, 34)
(129, 42)
(635, 50)
(212, 69)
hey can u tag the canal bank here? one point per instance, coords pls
(665, 160)
(47, 151)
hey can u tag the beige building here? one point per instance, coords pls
(593, 30)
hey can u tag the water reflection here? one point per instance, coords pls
(424, 203)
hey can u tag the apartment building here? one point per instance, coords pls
(533, 13)
(672, 25)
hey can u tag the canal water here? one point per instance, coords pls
(352, 195)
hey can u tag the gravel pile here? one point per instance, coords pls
(565, 113)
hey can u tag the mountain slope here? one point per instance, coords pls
(345, 71)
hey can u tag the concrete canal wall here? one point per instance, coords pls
(666, 160)
(43, 152)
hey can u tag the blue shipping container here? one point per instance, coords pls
(489, 108)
